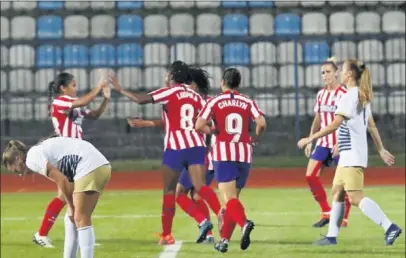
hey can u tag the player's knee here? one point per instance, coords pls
(196, 197)
(82, 220)
(355, 197)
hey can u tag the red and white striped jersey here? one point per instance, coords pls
(181, 107)
(325, 105)
(67, 121)
(231, 113)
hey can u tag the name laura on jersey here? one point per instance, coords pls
(232, 103)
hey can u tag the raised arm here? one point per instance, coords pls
(137, 98)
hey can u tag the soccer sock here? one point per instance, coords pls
(336, 218)
(202, 206)
(168, 212)
(318, 192)
(189, 207)
(211, 199)
(228, 226)
(51, 213)
(372, 210)
(347, 207)
(86, 242)
(70, 249)
(236, 211)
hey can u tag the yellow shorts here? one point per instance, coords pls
(94, 181)
(351, 178)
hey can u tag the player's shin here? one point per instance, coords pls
(51, 213)
(336, 218)
(372, 210)
(71, 239)
(168, 202)
(86, 241)
(190, 208)
(197, 175)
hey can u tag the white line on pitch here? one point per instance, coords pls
(170, 251)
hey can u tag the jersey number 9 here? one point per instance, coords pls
(234, 124)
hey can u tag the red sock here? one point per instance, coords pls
(211, 199)
(228, 226)
(168, 212)
(190, 208)
(51, 213)
(318, 192)
(236, 211)
(347, 206)
(202, 206)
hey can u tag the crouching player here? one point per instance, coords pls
(67, 160)
(232, 152)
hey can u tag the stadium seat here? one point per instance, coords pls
(260, 4)
(41, 108)
(94, 75)
(287, 76)
(337, 3)
(312, 3)
(368, 22)
(343, 50)
(182, 4)
(245, 75)
(3, 81)
(261, 24)
(396, 74)
(209, 53)
(397, 103)
(286, 52)
(126, 108)
(20, 108)
(22, 27)
(50, 5)
(48, 56)
(154, 77)
(313, 76)
(208, 24)
(378, 105)
(24, 5)
(129, 4)
(314, 23)
(5, 29)
(233, 4)
(393, 22)
(370, 50)
(129, 26)
(82, 78)
(182, 25)
(130, 78)
(4, 56)
(342, 23)
(316, 52)
(75, 56)
(377, 74)
(364, 3)
(208, 4)
(264, 76)
(77, 5)
(235, 25)
(102, 55)
(263, 53)
(216, 74)
(42, 79)
(21, 80)
(392, 3)
(21, 56)
(268, 103)
(100, 5)
(395, 49)
(5, 5)
(155, 4)
(183, 51)
(287, 24)
(288, 105)
(156, 25)
(236, 54)
(156, 54)
(102, 26)
(49, 27)
(286, 3)
(76, 27)
(130, 55)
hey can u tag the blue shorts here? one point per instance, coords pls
(185, 181)
(324, 155)
(227, 171)
(179, 159)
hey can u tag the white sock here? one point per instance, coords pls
(336, 218)
(86, 242)
(372, 210)
(70, 248)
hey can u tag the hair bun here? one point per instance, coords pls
(332, 59)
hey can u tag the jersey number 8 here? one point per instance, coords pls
(186, 117)
(234, 126)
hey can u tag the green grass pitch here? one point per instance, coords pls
(125, 223)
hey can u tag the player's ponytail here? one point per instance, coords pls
(13, 150)
(365, 86)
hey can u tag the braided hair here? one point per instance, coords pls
(179, 71)
(62, 79)
(201, 78)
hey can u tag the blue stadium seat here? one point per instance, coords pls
(234, 4)
(260, 3)
(235, 25)
(129, 4)
(129, 26)
(236, 54)
(49, 27)
(287, 23)
(50, 5)
(316, 52)
(130, 55)
(102, 55)
(48, 56)
(75, 55)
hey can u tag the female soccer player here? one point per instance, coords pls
(352, 119)
(322, 156)
(67, 112)
(183, 146)
(232, 152)
(79, 170)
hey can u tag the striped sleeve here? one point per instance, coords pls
(63, 104)
(162, 95)
(207, 110)
(316, 107)
(255, 111)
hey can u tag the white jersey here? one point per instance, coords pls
(75, 158)
(352, 133)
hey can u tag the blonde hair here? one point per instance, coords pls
(13, 150)
(362, 76)
(331, 61)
